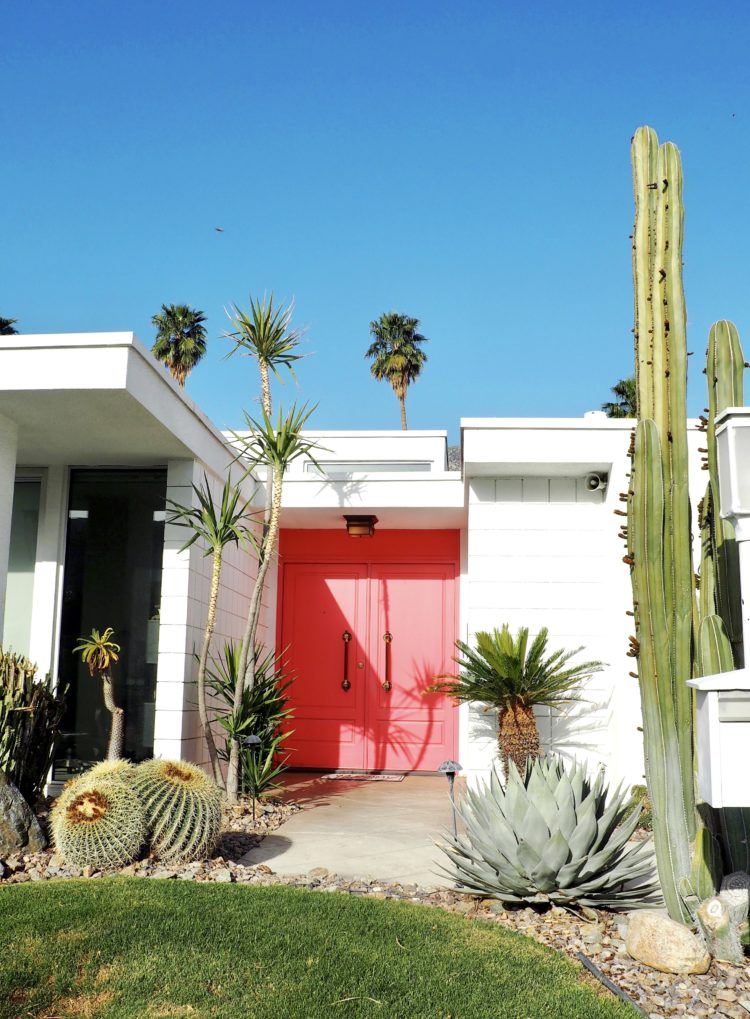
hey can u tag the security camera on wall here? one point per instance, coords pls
(595, 482)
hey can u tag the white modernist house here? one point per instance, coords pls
(95, 437)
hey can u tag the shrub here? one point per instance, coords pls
(639, 798)
(31, 710)
(263, 711)
(98, 822)
(182, 806)
(552, 835)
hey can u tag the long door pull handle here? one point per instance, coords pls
(388, 638)
(346, 637)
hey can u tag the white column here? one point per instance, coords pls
(742, 535)
(50, 557)
(8, 448)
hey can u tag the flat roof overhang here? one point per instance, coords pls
(99, 399)
(433, 500)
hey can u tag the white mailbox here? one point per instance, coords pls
(723, 737)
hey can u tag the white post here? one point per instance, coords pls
(742, 535)
(8, 448)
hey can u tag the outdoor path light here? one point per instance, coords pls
(252, 743)
(450, 769)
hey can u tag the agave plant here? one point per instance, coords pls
(552, 835)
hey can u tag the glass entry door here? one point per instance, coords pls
(113, 562)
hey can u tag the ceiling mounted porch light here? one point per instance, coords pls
(360, 526)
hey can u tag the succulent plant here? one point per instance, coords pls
(98, 822)
(183, 808)
(552, 835)
(120, 769)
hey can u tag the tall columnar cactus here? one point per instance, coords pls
(719, 639)
(659, 511)
(183, 808)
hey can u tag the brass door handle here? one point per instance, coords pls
(388, 638)
(346, 637)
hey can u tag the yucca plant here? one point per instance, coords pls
(216, 525)
(506, 673)
(552, 836)
(262, 713)
(99, 652)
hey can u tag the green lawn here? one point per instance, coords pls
(145, 949)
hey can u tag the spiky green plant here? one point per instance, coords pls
(31, 709)
(511, 675)
(99, 652)
(183, 808)
(552, 835)
(119, 770)
(98, 822)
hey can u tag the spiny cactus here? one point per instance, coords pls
(183, 808)
(98, 823)
(120, 769)
(552, 836)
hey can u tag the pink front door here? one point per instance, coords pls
(364, 640)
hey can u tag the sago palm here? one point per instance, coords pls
(625, 403)
(512, 676)
(180, 339)
(99, 652)
(217, 526)
(265, 332)
(396, 353)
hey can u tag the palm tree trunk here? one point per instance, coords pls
(402, 403)
(265, 387)
(117, 728)
(517, 736)
(213, 599)
(246, 671)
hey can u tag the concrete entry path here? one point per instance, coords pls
(382, 831)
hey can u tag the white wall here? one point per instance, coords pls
(544, 552)
(8, 446)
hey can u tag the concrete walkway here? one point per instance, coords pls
(373, 830)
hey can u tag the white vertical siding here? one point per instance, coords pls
(543, 551)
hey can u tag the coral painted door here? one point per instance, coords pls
(411, 642)
(322, 607)
(361, 702)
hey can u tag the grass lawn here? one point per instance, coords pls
(145, 949)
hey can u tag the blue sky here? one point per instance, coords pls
(465, 163)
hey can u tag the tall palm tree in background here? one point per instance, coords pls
(7, 326)
(624, 405)
(396, 353)
(180, 339)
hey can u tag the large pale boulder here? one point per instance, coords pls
(662, 943)
(19, 829)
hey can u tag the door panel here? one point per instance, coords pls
(409, 729)
(321, 603)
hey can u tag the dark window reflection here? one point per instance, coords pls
(113, 561)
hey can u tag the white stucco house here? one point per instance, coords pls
(95, 436)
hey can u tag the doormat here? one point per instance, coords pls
(358, 776)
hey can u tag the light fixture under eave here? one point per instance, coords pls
(360, 526)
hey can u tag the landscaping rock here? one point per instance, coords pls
(19, 828)
(665, 945)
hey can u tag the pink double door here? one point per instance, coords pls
(364, 641)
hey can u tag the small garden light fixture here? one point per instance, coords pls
(360, 526)
(252, 743)
(450, 769)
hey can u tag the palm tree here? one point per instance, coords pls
(396, 353)
(625, 405)
(504, 673)
(217, 527)
(100, 653)
(180, 339)
(7, 326)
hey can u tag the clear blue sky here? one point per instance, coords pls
(466, 163)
